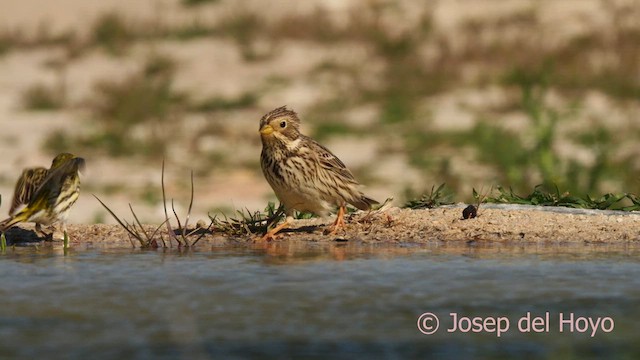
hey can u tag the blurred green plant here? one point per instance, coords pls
(5, 43)
(541, 196)
(145, 102)
(544, 120)
(198, 2)
(246, 222)
(42, 97)
(99, 217)
(218, 103)
(136, 116)
(58, 141)
(328, 129)
(17, 38)
(149, 194)
(245, 28)
(192, 30)
(112, 32)
(435, 198)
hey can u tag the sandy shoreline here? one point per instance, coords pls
(509, 225)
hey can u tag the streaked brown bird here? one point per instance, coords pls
(305, 175)
(45, 196)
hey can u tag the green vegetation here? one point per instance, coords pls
(198, 2)
(250, 223)
(246, 222)
(152, 237)
(217, 103)
(16, 39)
(518, 160)
(542, 197)
(149, 194)
(112, 32)
(42, 97)
(245, 28)
(527, 157)
(193, 30)
(99, 217)
(136, 116)
(5, 44)
(144, 101)
(327, 129)
(58, 141)
(436, 197)
(539, 131)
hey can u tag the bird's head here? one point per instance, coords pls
(66, 158)
(280, 124)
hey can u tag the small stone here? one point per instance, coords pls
(469, 212)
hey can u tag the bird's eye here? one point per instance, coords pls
(283, 124)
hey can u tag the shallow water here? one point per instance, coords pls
(312, 302)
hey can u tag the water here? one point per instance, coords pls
(318, 302)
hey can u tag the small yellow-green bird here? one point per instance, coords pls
(26, 186)
(44, 196)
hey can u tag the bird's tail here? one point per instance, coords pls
(364, 202)
(6, 224)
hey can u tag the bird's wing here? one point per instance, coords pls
(26, 186)
(51, 186)
(330, 162)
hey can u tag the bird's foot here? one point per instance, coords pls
(337, 225)
(268, 237)
(57, 235)
(46, 236)
(271, 235)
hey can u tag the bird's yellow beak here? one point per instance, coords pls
(266, 130)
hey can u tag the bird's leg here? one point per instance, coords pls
(58, 232)
(41, 233)
(65, 238)
(271, 234)
(339, 223)
(39, 230)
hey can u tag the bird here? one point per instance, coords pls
(27, 184)
(304, 174)
(45, 196)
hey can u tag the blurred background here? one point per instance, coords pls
(409, 94)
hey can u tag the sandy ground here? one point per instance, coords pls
(496, 225)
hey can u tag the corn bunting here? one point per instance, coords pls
(305, 175)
